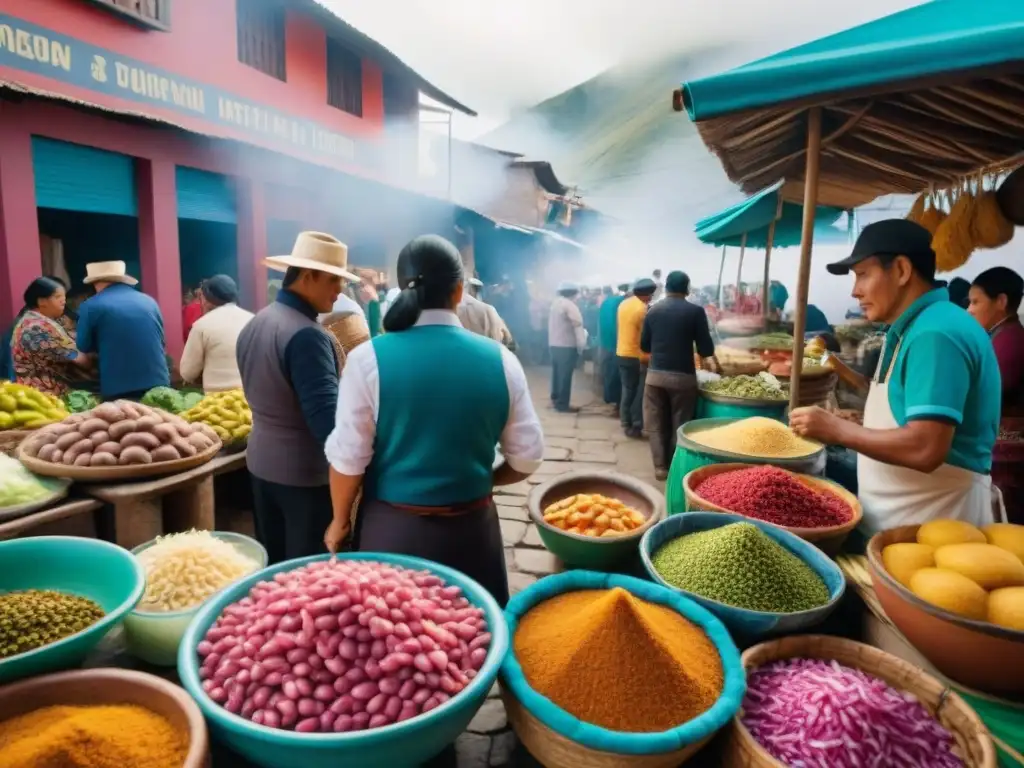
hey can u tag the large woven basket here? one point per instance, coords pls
(829, 539)
(974, 745)
(348, 330)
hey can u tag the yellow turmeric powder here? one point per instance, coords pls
(118, 736)
(613, 660)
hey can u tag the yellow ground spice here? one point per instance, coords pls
(117, 736)
(757, 436)
(614, 660)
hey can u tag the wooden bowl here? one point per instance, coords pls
(587, 551)
(828, 539)
(92, 687)
(975, 653)
(107, 474)
(974, 745)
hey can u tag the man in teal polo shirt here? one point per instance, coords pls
(932, 413)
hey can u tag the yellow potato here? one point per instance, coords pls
(602, 521)
(618, 525)
(637, 517)
(615, 512)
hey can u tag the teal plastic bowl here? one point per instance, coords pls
(401, 745)
(747, 624)
(154, 637)
(616, 747)
(90, 568)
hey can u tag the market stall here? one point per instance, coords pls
(918, 100)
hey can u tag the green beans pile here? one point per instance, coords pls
(740, 565)
(34, 618)
(752, 387)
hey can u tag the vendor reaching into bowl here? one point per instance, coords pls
(932, 412)
(420, 410)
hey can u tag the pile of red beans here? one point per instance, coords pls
(343, 645)
(774, 496)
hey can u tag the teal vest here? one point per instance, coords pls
(444, 402)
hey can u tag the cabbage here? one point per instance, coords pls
(19, 486)
(165, 398)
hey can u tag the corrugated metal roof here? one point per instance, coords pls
(367, 46)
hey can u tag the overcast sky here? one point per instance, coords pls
(500, 55)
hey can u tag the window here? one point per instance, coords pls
(344, 79)
(150, 13)
(401, 98)
(261, 34)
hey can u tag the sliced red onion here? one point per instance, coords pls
(809, 713)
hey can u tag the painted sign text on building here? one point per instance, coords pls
(31, 48)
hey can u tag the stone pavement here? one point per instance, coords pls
(589, 440)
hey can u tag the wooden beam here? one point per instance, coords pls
(765, 294)
(806, 245)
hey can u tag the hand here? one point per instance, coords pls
(817, 424)
(335, 535)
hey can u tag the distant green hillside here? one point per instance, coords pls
(617, 138)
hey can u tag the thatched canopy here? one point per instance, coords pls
(923, 97)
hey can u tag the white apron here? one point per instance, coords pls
(893, 496)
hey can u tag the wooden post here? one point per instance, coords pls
(739, 269)
(806, 243)
(721, 271)
(765, 293)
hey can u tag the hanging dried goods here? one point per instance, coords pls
(120, 433)
(343, 645)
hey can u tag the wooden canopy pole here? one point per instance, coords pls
(721, 271)
(765, 294)
(739, 269)
(806, 244)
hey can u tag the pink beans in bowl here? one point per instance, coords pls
(346, 645)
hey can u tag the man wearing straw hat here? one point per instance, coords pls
(125, 329)
(289, 373)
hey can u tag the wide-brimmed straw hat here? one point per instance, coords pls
(317, 251)
(108, 272)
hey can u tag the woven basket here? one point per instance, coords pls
(109, 474)
(553, 750)
(814, 388)
(829, 539)
(974, 745)
(348, 330)
(10, 440)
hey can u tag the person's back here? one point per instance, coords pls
(428, 397)
(281, 448)
(608, 321)
(631, 315)
(217, 334)
(480, 317)
(675, 326)
(125, 327)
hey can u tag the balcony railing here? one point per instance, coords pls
(155, 14)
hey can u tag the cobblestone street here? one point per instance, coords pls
(589, 440)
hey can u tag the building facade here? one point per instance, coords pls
(188, 138)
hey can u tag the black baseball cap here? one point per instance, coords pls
(891, 238)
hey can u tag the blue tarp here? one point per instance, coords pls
(936, 38)
(754, 216)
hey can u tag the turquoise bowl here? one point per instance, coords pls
(154, 637)
(402, 745)
(747, 624)
(90, 568)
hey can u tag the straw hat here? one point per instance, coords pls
(316, 251)
(108, 272)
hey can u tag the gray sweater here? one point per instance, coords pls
(290, 375)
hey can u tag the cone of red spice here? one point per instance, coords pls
(774, 496)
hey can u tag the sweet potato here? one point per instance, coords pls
(129, 409)
(66, 441)
(166, 453)
(58, 457)
(109, 412)
(46, 452)
(147, 423)
(56, 430)
(200, 441)
(134, 454)
(99, 438)
(114, 449)
(83, 459)
(184, 447)
(103, 459)
(89, 426)
(76, 450)
(146, 440)
(166, 432)
(120, 429)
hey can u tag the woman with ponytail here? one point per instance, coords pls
(44, 353)
(420, 410)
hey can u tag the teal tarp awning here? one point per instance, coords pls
(936, 38)
(754, 216)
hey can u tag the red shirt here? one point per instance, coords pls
(1008, 343)
(192, 312)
